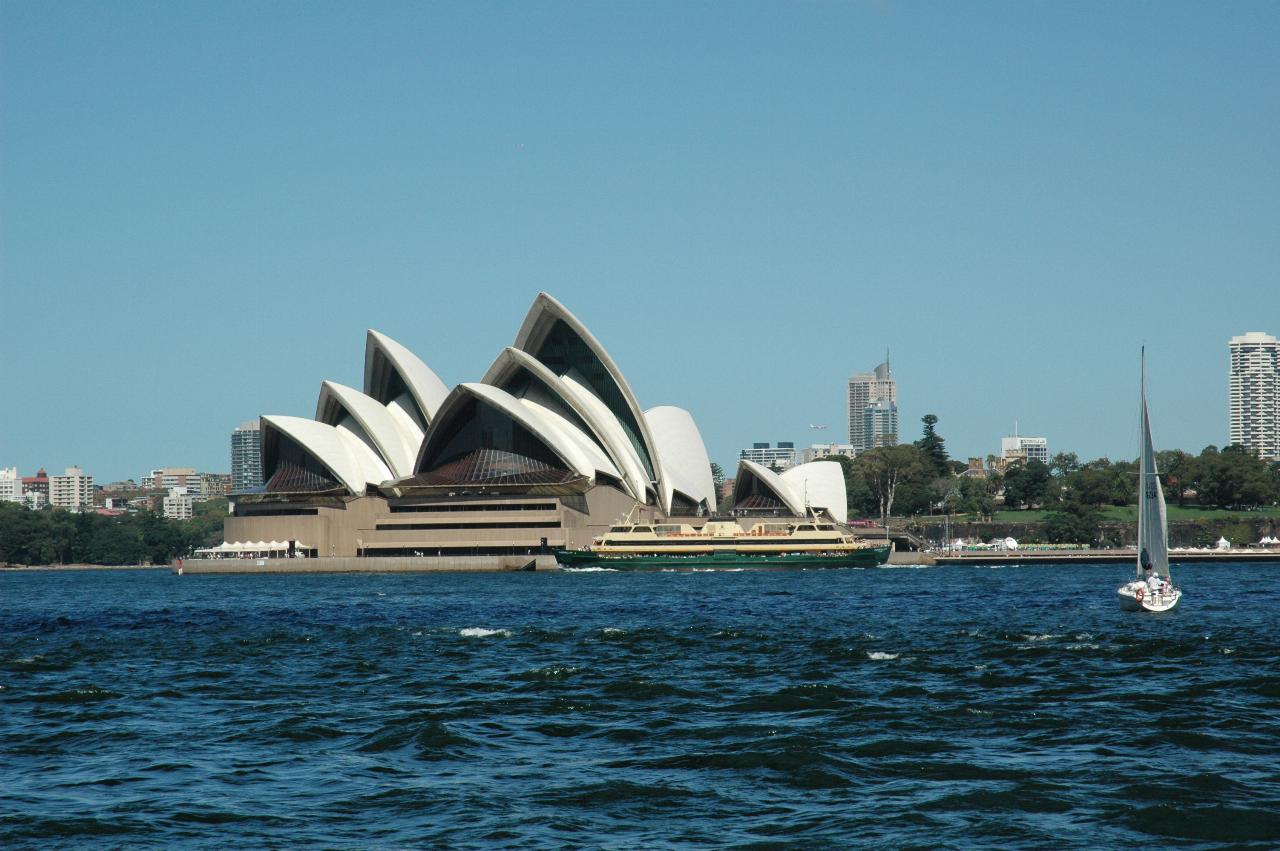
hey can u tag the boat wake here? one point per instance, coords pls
(481, 632)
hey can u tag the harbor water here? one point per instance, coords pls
(955, 707)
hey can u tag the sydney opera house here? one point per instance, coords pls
(548, 449)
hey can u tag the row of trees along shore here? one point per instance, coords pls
(1070, 497)
(51, 536)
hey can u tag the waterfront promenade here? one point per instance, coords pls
(1093, 556)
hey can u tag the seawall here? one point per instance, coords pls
(392, 564)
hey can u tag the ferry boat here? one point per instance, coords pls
(797, 543)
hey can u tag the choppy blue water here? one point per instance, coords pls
(953, 707)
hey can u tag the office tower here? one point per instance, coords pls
(1255, 393)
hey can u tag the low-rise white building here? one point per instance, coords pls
(177, 505)
(818, 451)
(782, 456)
(10, 485)
(167, 478)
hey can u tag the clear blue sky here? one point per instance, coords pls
(203, 205)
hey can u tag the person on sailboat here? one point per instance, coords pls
(1149, 574)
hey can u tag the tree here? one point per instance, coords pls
(1235, 478)
(1064, 464)
(886, 468)
(1026, 485)
(1074, 523)
(1177, 472)
(933, 447)
(717, 474)
(977, 496)
(1100, 482)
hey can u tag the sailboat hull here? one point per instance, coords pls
(1132, 601)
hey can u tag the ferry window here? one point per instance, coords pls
(826, 527)
(808, 528)
(666, 529)
(642, 529)
(619, 529)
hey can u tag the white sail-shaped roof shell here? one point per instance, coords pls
(568, 442)
(682, 456)
(539, 322)
(587, 406)
(818, 484)
(771, 480)
(345, 407)
(821, 485)
(351, 461)
(425, 389)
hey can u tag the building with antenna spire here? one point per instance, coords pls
(873, 408)
(1017, 447)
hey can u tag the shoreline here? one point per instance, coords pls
(515, 564)
(15, 567)
(1120, 556)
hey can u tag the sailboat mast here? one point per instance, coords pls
(1142, 455)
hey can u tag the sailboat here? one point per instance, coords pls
(1153, 589)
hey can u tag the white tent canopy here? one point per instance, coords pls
(241, 547)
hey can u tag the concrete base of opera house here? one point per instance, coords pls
(351, 564)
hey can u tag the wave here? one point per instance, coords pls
(881, 656)
(481, 632)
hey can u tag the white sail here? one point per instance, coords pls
(1153, 530)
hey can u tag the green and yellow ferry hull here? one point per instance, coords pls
(722, 560)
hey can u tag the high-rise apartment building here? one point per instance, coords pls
(880, 424)
(246, 457)
(71, 491)
(1255, 393)
(865, 390)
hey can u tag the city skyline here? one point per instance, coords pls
(998, 194)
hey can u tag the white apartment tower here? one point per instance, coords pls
(1255, 393)
(879, 392)
(246, 456)
(71, 491)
